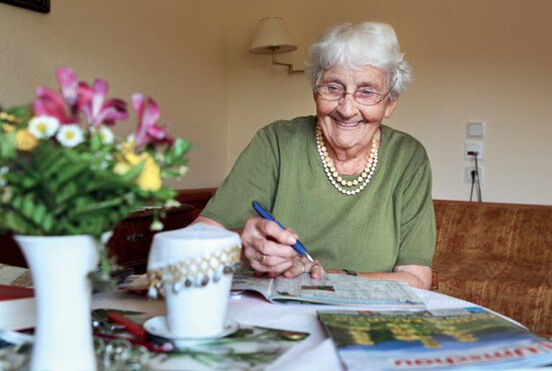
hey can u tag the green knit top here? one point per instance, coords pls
(390, 222)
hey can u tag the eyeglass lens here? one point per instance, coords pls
(334, 92)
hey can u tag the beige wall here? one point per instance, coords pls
(138, 46)
(473, 60)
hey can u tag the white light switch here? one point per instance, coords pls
(476, 130)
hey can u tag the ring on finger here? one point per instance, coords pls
(263, 258)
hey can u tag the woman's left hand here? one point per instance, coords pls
(303, 265)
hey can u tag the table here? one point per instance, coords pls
(315, 352)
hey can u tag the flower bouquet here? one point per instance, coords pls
(66, 179)
(64, 172)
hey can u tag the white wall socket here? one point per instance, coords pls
(475, 147)
(467, 174)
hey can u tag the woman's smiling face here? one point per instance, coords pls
(347, 124)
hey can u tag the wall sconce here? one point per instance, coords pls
(273, 38)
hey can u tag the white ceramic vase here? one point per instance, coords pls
(59, 266)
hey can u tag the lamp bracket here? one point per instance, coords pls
(291, 71)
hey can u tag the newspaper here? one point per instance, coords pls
(15, 276)
(469, 338)
(335, 289)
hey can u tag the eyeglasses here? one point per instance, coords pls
(366, 97)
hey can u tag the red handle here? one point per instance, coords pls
(132, 327)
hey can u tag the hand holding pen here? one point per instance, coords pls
(272, 249)
(265, 214)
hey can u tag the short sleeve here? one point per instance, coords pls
(252, 178)
(417, 222)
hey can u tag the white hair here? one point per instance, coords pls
(356, 46)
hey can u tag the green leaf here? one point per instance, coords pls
(69, 191)
(165, 193)
(16, 224)
(133, 173)
(169, 173)
(17, 202)
(8, 148)
(48, 223)
(45, 156)
(24, 113)
(180, 147)
(70, 173)
(99, 205)
(28, 205)
(60, 163)
(28, 182)
(39, 213)
(18, 216)
(168, 158)
(95, 143)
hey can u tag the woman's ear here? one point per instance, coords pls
(390, 107)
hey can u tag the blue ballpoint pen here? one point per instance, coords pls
(297, 246)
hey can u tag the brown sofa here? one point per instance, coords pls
(498, 256)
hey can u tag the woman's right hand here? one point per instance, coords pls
(267, 248)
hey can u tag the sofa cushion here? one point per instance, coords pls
(498, 256)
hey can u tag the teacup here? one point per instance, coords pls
(192, 267)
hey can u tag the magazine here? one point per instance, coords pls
(460, 338)
(334, 289)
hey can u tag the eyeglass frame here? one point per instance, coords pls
(345, 92)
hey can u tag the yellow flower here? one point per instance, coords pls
(125, 162)
(8, 128)
(25, 141)
(150, 177)
(129, 145)
(9, 118)
(121, 168)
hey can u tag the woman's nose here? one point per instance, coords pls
(347, 105)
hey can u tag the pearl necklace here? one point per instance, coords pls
(333, 176)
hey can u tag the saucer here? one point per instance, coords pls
(157, 326)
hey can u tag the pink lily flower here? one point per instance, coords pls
(147, 131)
(69, 85)
(96, 108)
(50, 103)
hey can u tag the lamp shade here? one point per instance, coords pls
(272, 37)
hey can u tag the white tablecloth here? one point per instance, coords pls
(315, 352)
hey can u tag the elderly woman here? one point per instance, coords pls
(355, 191)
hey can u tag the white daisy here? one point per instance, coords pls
(70, 135)
(106, 135)
(171, 203)
(156, 226)
(43, 126)
(183, 170)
